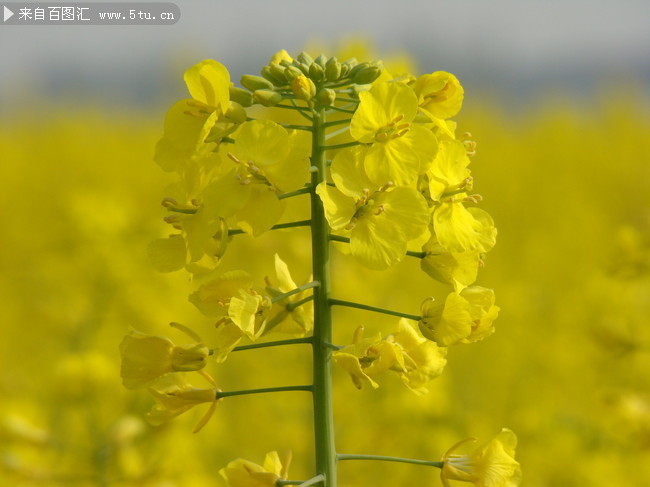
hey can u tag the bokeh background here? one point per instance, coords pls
(557, 98)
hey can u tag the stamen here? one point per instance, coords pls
(233, 158)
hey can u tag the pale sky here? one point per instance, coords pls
(500, 45)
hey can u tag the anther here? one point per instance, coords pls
(233, 158)
(169, 202)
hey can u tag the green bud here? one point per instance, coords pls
(243, 97)
(236, 112)
(345, 69)
(291, 73)
(357, 68)
(255, 83)
(303, 67)
(278, 72)
(326, 96)
(305, 58)
(366, 75)
(268, 74)
(333, 69)
(268, 98)
(352, 62)
(316, 73)
(321, 61)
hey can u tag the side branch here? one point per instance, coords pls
(222, 394)
(297, 192)
(382, 458)
(320, 478)
(418, 255)
(279, 226)
(299, 289)
(350, 304)
(278, 343)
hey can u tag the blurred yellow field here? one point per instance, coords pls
(567, 367)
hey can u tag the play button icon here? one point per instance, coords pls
(7, 14)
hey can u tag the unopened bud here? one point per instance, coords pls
(316, 73)
(303, 88)
(366, 75)
(354, 70)
(268, 75)
(291, 73)
(326, 96)
(268, 98)
(303, 67)
(278, 72)
(236, 112)
(332, 69)
(321, 60)
(305, 58)
(254, 83)
(280, 56)
(243, 97)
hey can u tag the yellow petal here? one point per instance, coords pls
(209, 82)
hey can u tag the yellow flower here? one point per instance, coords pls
(456, 268)
(243, 311)
(400, 150)
(460, 229)
(423, 360)
(268, 161)
(381, 220)
(302, 319)
(208, 82)
(491, 465)
(439, 94)
(174, 396)
(145, 358)
(242, 473)
(366, 358)
(464, 317)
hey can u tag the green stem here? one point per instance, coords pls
(294, 305)
(302, 483)
(333, 123)
(299, 289)
(350, 100)
(322, 361)
(419, 255)
(222, 394)
(295, 193)
(340, 146)
(337, 109)
(302, 223)
(296, 127)
(278, 343)
(382, 458)
(350, 304)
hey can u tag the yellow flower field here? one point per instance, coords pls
(566, 368)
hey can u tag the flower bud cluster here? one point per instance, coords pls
(304, 78)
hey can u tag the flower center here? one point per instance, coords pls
(393, 130)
